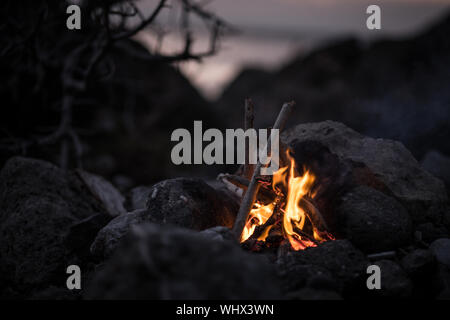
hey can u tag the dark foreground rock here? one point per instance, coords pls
(42, 208)
(394, 281)
(109, 237)
(333, 266)
(104, 191)
(219, 234)
(164, 262)
(373, 221)
(343, 159)
(441, 250)
(189, 203)
(437, 164)
(137, 198)
(419, 262)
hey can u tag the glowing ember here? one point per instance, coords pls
(295, 211)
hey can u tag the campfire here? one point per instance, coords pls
(280, 208)
(292, 214)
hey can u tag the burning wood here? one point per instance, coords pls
(281, 207)
(249, 119)
(253, 188)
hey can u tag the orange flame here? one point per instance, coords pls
(294, 216)
(258, 216)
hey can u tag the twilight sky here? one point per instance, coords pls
(274, 31)
(328, 15)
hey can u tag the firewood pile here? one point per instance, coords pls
(263, 191)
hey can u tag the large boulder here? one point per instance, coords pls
(419, 262)
(333, 261)
(189, 203)
(42, 208)
(137, 198)
(109, 237)
(441, 250)
(104, 191)
(343, 158)
(394, 281)
(437, 164)
(373, 221)
(166, 262)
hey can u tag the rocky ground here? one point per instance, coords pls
(171, 240)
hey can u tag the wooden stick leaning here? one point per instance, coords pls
(250, 196)
(243, 183)
(248, 124)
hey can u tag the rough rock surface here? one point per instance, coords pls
(110, 236)
(437, 164)
(137, 198)
(166, 262)
(219, 234)
(104, 191)
(334, 260)
(418, 262)
(40, 204)
(383, 164)
(373, 221)
(441, 250)
(189, 203)
(394, 281)
(430, 232)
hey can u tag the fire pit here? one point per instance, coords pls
(280, 207)
(284, 210)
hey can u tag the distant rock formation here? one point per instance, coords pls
(395, 89)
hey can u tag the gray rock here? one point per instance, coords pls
(137, 198)
(40, 205)
(166, 262)
(394, 281)
(109, 237)
(430, 231)
(298, 276)
(382, 164)
(104, 191)
(80, 235)
(438, 214)
(338, 260)
(189, 203)
(373, 221)
(441, 250)
(219, 234)
(418, 262)
(437, 164)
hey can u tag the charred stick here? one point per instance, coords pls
(313, 214)
(272, 219)
(382, 255)
(253, 188)
(307, 236)
(249, 124)
(243, 183)
(238, 181)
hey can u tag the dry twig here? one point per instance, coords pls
(253, 188)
